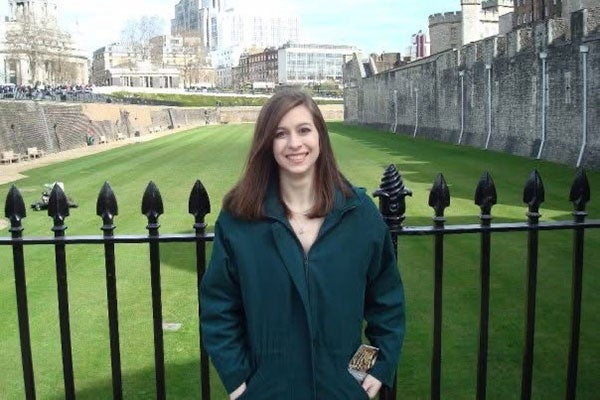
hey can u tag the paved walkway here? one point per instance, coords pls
(13, 172)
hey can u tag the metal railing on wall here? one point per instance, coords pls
(391, 194)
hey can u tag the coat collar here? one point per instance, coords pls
(274, 209)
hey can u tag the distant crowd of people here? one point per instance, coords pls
(42, 91)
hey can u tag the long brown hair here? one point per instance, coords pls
(247, 197)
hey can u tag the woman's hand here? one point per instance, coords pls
(371, 385)
(238, 392)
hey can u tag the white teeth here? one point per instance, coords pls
(296, 157)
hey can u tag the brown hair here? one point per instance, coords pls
(247, 197)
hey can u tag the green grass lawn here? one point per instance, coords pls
(215, 155)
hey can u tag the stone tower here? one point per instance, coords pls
(40, 11)
(471, 16)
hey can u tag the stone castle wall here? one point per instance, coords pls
(53, 127)
(428, 93)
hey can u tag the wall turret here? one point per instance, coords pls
(471, 10)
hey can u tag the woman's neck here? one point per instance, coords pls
(298, 194)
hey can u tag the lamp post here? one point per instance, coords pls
(583, 49)
(488, 68)
(416, 111)
(462, 105)
(543, 56)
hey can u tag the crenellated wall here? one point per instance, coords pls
(445, 18)
(429, 99)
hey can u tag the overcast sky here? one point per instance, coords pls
(372, 26)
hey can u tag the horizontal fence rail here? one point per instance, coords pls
(391, 194)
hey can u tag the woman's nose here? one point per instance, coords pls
(294, 140)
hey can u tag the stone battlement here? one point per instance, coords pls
(497, 3)
(445, 18)
(454, 93)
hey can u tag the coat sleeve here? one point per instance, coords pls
(384, 309)
(222, 316)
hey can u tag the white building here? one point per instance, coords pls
(115, 65)
(186, 53)
(307, 64)
(249, 27)
(223, 60)
(34, 48)
(199, 16)
(223, 24)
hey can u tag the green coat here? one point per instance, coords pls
(287, 322)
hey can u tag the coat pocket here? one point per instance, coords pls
(335, 380)
(355, 387)
(263, 385)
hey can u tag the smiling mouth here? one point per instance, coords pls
(297, 158)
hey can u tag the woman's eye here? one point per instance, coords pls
(305, 130)
(279, 134)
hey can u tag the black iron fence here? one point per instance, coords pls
(392, 206)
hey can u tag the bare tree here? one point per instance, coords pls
(27, 39)
(44, 46)
(193, 57)
(137, 34)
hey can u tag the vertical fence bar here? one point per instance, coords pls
(58, 209)
(392, 206)
(15, 212)
(439, 199)
(106, 207)
(485, 198)
(580, 195)
(152, 208)
(534, 196)
(199, 206)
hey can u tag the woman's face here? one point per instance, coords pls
(296, 144)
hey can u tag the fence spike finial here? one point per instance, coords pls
(58, 204)
(439, 197)
(485, 194)
(580, 190)
(199, 202)
(106, 205)
(533, 195)
(152, 205)
(14, 208)
(391, 195)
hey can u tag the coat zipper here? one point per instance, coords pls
(306, 276)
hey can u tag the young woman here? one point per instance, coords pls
(300, 259)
